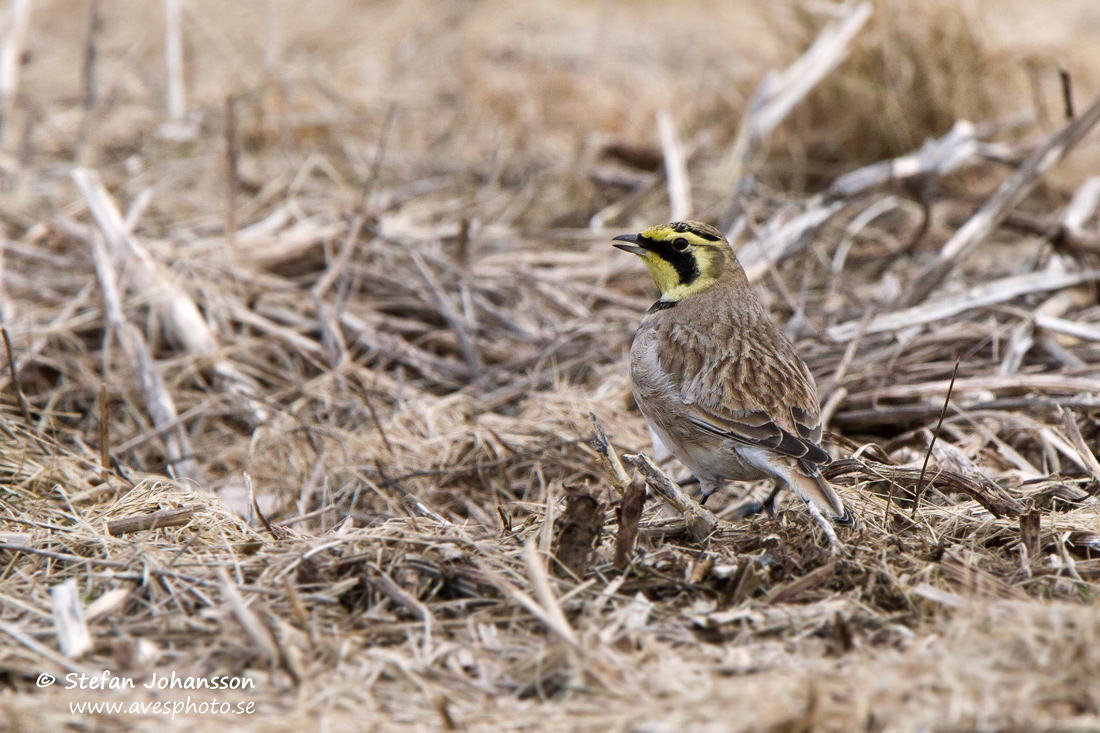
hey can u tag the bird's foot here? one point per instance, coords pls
(769, 503)
(827, 527)
(848, 520)
(707, 488)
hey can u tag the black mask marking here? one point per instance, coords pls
(661, 305)
(684, 262)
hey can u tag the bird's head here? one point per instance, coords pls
(684, 257)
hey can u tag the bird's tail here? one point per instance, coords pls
(811, 486)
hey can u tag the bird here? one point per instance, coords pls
(717, 381)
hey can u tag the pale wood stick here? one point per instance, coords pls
(782, 240)
(154, 520)
(1054, 439)
(779, 93)
(137, 208)
(1066, 326)
(340, 262)
(271, 36)
(1015, 382)
(158, 402)
(860, 222)
(997, 291)
(180, 315)
(1085, 200)
(1008, 195)
(679, 187)
(1088, 458)
(1019, 343)
(254, 626)
(11, 54)
(700, 520)
(244, 315)
(938, 157)
(959, 147)
(1067, 560)
(43, 651)
(173, 59)
(544, 591)
(620, 481)
(15, 538)
(387, 587)
(551, 620)
(809, 581)
(896, 415)
(1023, 336)
(91, 30)
(786, 89)
(68, 620)
(107, 603)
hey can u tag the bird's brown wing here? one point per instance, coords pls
(753, 388)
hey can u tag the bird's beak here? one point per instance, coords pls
(631, 248)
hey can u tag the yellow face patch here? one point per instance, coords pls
(664, 274)
(670, 276)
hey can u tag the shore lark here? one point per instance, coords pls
(717, 381)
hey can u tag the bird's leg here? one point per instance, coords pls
(827, 526)
(769, 503)
(708, 486)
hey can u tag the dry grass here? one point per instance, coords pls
(408, 319)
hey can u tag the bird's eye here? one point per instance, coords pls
(679, 244)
